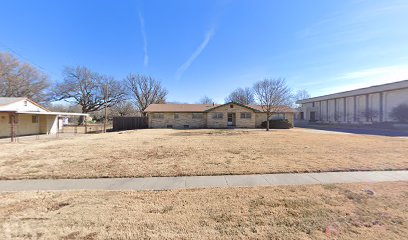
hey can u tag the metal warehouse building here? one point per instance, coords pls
(364, 105)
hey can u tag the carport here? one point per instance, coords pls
(23, 123)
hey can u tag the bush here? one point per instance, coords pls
(278, 124)
(400, 113)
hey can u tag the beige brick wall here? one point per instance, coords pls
(184, 119)
(25, 126)
(4, 125)
(209, 122)
(222, 123)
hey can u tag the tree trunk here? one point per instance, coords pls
(267, 122)
(81, 120)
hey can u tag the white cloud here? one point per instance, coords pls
(143, 32)
(180, 71)
(369, 77)
(363, 21)
(382, 74)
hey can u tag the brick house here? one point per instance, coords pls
(211, 115)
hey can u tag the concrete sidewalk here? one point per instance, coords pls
(167, 183)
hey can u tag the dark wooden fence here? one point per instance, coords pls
(129, 123)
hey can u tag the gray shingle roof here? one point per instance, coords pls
(201, 107)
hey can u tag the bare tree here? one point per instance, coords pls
(120, 109)
(21, 80)
(369, 115)
(124, 108)
(273, 95)
(241, 95)
(145, 91)
(300, 95)
(88, 89)
(64, 107)
(205, 100)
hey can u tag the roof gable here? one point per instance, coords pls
(238, 104)
(18, 104)
(9, 100)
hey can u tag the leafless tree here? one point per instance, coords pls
(122, 109)
(241, 95)
(300, 95)
(88, 89)
(370, 114)
(64, 107)
(145, 90)
(205, 100)
(21, 80)
(273, 95)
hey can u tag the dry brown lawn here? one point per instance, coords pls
(166, 152)
(301, 212)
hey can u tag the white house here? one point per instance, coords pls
(364, 105)
(22, 116)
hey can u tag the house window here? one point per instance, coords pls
(246, 115)
(302, 116)
(313, 104)
(176, 115)
(158, 115)
(198, 115)
(218, 115)
(231, 105)
(34, 119)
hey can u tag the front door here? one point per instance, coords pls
(231, 119)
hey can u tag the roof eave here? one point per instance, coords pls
(239, 104)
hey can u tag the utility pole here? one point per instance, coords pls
(106, 109)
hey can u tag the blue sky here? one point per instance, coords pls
(206, 47)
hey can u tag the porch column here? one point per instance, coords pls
(13, 127)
